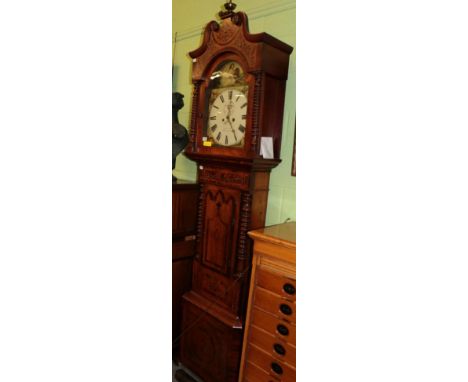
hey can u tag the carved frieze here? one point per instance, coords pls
(227, 37)
(225, 178)
(226, 33)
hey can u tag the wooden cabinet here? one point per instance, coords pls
(269, 348)
(184, 217)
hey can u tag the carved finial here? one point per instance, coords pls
(230, 6)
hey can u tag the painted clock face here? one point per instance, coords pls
(227, 118)
(226, 122)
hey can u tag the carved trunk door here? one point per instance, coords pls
(220, 221)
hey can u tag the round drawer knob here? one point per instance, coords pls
(276, 368)
(279, 349)
(289, 288)
(285, 309)
(283, 330)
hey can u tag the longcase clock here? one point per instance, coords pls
(239, 83)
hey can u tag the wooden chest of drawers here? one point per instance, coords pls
(269, 348)
(184, 219)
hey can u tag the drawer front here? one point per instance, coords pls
(254, 374)
(271, 365)
(276, 283)
(275, 304)
(271, 345)
(278, 328)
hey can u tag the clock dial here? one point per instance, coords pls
(226, 109)
(227, 118)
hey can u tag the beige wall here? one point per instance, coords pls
(277, 18)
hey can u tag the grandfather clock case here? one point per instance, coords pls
(234, 183)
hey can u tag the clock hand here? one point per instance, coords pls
(232, 129)
(229, 107)
(230, 123)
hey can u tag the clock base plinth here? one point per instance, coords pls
(211, 340)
